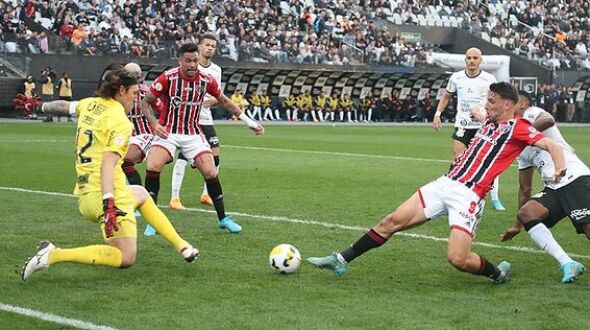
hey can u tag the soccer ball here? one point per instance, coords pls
(284, 259)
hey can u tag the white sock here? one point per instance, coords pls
(369, 114)
(178, 176)
(495, 188)
(541, 235)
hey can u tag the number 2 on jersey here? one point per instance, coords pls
(81, 159)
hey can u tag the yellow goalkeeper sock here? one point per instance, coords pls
(157, 219)
(103, 255)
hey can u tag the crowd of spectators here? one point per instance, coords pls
(298, 31)
(552, 33)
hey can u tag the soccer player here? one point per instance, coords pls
(265, 104)
(142, 136)
(256, 106)
(318, 110)
(207, 47)
(367, 105)
(569, 197)
(102, 140)
(289, 106)
(460, 192)
(471, 87)
(183, 91)
(345, 107)
(332, 106)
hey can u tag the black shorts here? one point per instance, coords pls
(210, 135)
(572, 200)
(465, 138)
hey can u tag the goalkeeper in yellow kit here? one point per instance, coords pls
(104, 198)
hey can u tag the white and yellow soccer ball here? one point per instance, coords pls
(284, 259)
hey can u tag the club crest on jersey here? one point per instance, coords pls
(505, 128)
(175, 101)
(158, 87)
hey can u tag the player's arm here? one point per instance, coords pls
(557, 156)
(442, 104)
(107, 178)
(209, 101)
(543, 121)
(34, 105)
(230, 106)
(148, 112)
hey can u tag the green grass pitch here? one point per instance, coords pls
(315, 187)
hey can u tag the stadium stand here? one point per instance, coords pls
(551, 33)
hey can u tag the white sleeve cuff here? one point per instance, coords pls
(73, 106)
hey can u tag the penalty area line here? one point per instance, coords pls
(53, 318)
(322, 224)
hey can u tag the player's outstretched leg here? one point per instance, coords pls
(160, 222)
(409, 214)
(48, 254)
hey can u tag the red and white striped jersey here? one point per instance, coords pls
(139, 121)
(183, 99)
(492, 150)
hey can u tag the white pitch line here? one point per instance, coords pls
(334, 153)
(33, 141)
(324, 224)
(53, 318)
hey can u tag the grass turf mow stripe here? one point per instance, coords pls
(319, 223)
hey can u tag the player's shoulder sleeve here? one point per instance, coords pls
(532, 113)
(118, 130)
(525, 132)
(83, 106)
(217, 75)
(489, 77)
(159, 86)
(452, 84)
(213, 87)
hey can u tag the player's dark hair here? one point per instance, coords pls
(505, 90)
(526, 95)
(208, 36)
(113, 81)
(187, 48)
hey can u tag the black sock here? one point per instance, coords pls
(529, 225)
(152, 184)
(488, 269)
(131, 173)
(216, 194)
(368, 241)
(216, 160)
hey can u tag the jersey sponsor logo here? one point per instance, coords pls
(176, 102)
(580, 214)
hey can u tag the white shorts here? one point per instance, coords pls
(143, 142)
(463, 206)
(190, 145)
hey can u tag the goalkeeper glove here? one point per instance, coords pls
(27, 105)
(111, 212)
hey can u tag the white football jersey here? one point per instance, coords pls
(205, 117)
(471, 92)
(541, 159)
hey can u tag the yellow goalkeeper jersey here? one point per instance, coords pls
(102, 126)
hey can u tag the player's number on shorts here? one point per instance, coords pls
(81, 158)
